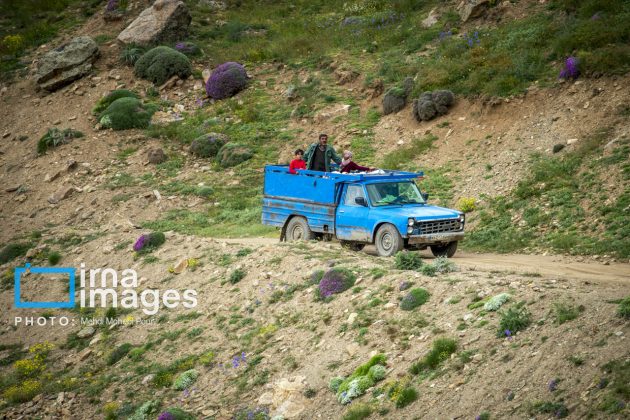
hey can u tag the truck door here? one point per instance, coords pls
(352, 218)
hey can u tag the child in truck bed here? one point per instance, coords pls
(347, 165)
(298, 162)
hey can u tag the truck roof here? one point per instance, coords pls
(320, 187)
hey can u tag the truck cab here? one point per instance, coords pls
(386, 209)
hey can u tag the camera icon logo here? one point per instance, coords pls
(20, 271)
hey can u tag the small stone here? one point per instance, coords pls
(86, 332)
(156, 156)
(352, 349)
(6, 134)
(85, 353)
(352, 317)
(62, 194)
(571, 141)
(147, 379)
(56, 122)
(181, 266)
(389, 305)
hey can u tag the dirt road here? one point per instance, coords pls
(547, 265)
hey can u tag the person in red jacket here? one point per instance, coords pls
(347, 165)
(298, 162)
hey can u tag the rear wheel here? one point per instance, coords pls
(447, 250)
(298, 230)
(388, 241)
(353, 246)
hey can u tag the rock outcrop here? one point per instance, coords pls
(473, 9)
(165, 21)
(65, 64)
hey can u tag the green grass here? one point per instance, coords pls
(550, 200)
(441, 351)
(565, 312)
(514, 319)
(403, 157)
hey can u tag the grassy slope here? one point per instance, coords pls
(385, 42)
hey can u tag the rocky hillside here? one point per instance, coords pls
(126, 120)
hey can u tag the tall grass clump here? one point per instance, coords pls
(441, 350)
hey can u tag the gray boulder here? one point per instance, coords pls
(67, 63)
(165, 21)
(473, 9)
(431, 104)
(395, 98)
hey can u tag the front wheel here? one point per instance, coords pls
(447, 250)
(298, 230)
(353, 246)
(388, 241)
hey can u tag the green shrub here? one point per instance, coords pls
(208, 145)
(441, 350)
(405, 260)
(231, 154)
(495, 302)
(126, 113)
(566, 312)
(146, 411)
(22, 392)
(107, 100)
(466, 204)
(161, 63)
(416, 297)
(514, 319)
(356, 384)
(118, 353)
(624, 308)
(316, 277)
(12, 251)
(55, 137)
(185, 379)
(54, 257)
(131, 53)
(406, 397)
(559, 410)
(334, 281)
(358, 412)
(440, 265)
(237, 275)
(179, 414)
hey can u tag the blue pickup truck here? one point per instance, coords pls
(385, 209)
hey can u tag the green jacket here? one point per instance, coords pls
(329, 154)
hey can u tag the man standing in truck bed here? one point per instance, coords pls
(318, 155)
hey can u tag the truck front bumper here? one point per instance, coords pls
(436, 238)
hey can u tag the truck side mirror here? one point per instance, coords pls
(425, 196)
(360, 201)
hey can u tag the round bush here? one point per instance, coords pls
(335, 383)
(126, 113)
(231, 154)
(377, 372)
(408, 260)
(414, 298)
(107, 100)
(208, 145)
(161, 63)
(335, 280)
(149, 242)
(226, 80)
(624, 308)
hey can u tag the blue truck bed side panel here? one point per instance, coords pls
(321, 217)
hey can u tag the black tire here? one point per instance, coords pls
(298, 230)
(388, 241)
(447, 250)
(353, 246)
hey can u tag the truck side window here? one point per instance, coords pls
(352, 192)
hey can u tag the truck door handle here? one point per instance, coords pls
(342, 211)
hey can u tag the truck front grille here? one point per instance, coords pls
(438, 226)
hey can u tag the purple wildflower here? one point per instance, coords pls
(405, 285)
(571, 69)
(552, 385)
(235, 362)
(140, 243)
(335, 281)
(226, 80)
(166, 416)
(508, 333)
(180, 46)
(111, 5)
(596, 16)
(243, 357)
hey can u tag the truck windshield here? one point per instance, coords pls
(387, 193)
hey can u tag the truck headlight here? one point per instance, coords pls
(411, 221)
(410, 230)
